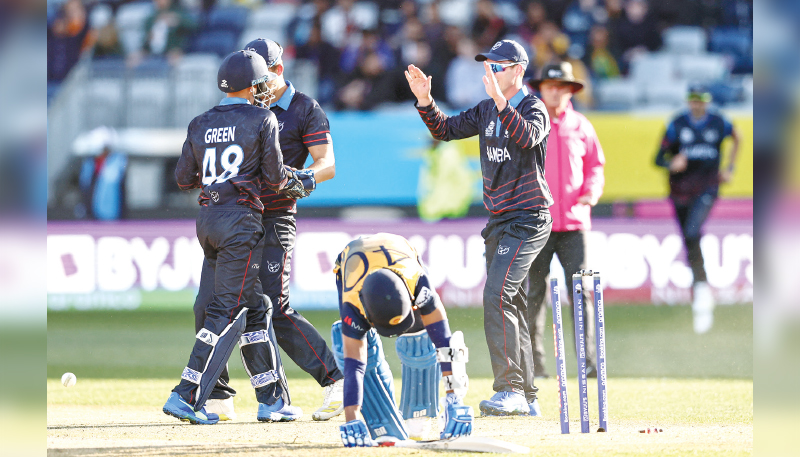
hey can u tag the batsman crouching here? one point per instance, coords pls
(384, 290)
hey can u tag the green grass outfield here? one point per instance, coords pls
(697, 388)
(117, 417)
(641, 341)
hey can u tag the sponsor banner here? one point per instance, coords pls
(153, 264)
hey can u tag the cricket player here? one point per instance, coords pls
(304, 131)
(691, 151)
(230, 151)
(384, 290)
(512, 128)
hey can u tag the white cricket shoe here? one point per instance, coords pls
(333, 403)
(223, 407)
(703, 308)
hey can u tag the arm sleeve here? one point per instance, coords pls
(446, 128)
(593, 163)
(668, 147)
(272, 171)
(527, 127)
(317, 129)
(727, 128)
(425, 297)
(353, 393)
(187, 173)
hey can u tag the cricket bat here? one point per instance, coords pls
(463, 443)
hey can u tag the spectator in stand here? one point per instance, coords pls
(488, 27)
(342, 23)
(614, 9)
(167, 31)
(565, 52)
(636, 32)
(107, 44)
(369, 85)
(370, 42)
(574, 172)
(299, 28)
(556, 9)
(434, 27)
(542, 44)
(579, 18)
(67, 38)
(598, 57)
(535, 17)
(464, 87)
(326, 57)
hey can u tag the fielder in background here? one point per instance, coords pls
(230, 151)
(691, 151)
(304, 131)
(574, 173)
(384, 290)
(512, 128)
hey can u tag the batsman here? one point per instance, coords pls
(384, 290)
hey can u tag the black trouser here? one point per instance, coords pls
(513, 241)
(692, 214)
(295, 335)
(571, 250)
(232, 239)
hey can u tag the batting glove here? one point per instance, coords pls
(355, 434)
(457, 417)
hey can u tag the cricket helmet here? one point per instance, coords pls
(387, 302)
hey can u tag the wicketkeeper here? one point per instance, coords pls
(384, 290)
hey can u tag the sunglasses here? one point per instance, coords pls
(498, 67)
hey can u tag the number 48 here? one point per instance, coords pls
(230, 167)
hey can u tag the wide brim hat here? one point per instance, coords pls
(561, 72)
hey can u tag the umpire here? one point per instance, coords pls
(230, 151)
(304, 131)
(512, 127)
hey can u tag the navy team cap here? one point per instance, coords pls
(505, 50)
(268, 49)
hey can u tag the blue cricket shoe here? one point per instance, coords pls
(534, 409)
(176, 406)
(505, 404)
(278, 412)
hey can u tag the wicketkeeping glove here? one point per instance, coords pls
(308, 179)
(457, 417)
(294, 187)
(355, 434)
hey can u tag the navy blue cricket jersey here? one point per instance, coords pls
(233, 147)
(513, 145)
(302, 123)
(700, 141)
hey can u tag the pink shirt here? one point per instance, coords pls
(573, 167)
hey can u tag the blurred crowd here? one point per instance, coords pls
(362, 47)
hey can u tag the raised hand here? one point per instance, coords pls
(420, 85)
(493, 88)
